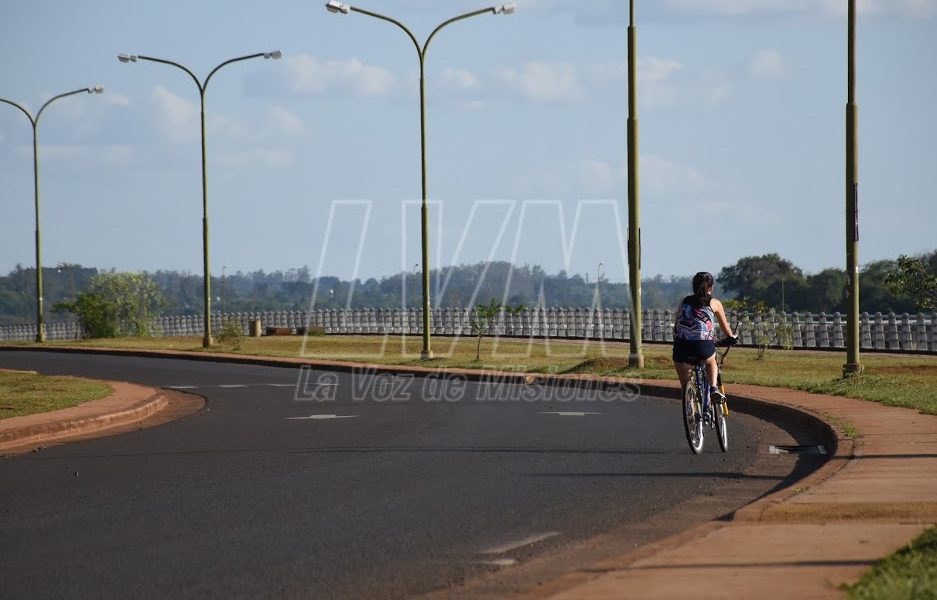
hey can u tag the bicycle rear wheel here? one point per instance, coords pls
(722, 428)
(693, 418)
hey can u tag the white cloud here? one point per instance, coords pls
(544, 81)
(600, 177)
(180, 122)
(284, 122)
(651, 68)
(656, 85)
(663, 83)
(306, 75)
(768, 64)
(181, 116)
(115, 99)
(661, 175)
(460, 79)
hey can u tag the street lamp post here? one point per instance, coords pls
(97, 89)
(636, 357)
(852, 205)
(207, 339)
(334, 6)
(598, 281)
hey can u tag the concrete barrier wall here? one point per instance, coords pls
(878, 331)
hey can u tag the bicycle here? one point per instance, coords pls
(698, 411)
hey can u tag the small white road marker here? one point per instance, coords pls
(320, 417)
(281, 385)
(234, 385)
(499, 562)
(527, 541)
(570, 414)
(182, 387)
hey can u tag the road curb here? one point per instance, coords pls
(21, 433)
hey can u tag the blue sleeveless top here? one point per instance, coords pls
(695, 323)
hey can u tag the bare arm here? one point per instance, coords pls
(721, 316)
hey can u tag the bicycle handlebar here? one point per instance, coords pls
(727, 342)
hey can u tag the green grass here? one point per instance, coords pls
(28, 393)
(910, 573)
(897, 380)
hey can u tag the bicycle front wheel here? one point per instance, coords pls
(722, 428)
(693, 418)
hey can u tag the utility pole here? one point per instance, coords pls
(636, 357)
(852, 206)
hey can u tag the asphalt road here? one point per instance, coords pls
(297, 483)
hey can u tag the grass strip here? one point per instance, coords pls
(910, 573)
(897, 380)
(28, 393)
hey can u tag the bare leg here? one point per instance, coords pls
(683, 372)
(712, 370)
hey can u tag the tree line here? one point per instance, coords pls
(900, 285)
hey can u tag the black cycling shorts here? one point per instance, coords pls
(692, 351)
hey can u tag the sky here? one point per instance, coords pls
(315, 159)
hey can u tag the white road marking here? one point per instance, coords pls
(527, 541)
(245, 385)
(797, 450)
(320, 417)
(570, 414)
(499, 562)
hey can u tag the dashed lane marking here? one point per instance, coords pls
(570, 414)
(527, 541)
(320, 417)
(498, 562)
(246, 385)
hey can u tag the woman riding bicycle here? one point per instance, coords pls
(695, 332)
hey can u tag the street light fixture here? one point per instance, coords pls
(207, 339)
(333, 6)
(95, 89)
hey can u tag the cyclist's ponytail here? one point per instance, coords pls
(702, 282)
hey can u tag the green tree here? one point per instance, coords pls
(117, 304)
(767, 278)
(911, 277)
(823, 292)
(485, 316)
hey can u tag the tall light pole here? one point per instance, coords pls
(598, 281)
(636, 357)
(334, 6)
(852, 205)
(97, 89)
(207, 339)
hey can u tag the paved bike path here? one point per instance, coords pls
(876, 493)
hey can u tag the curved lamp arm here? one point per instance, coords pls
(23, 110)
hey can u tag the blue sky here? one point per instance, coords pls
(314, 159)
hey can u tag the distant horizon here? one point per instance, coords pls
(584, 274)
